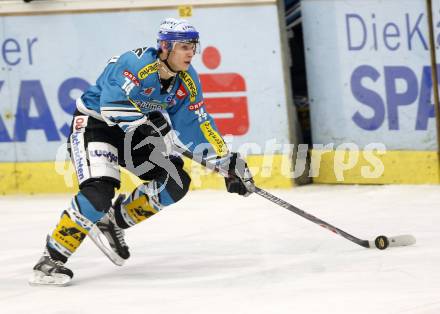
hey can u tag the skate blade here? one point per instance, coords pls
(101, 242)
(39, 278)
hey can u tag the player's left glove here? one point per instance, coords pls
(159, 132)
(239, 178)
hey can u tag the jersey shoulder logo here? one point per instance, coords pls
(148, 70)
(131, 77)
(139, 52)
(189, 83)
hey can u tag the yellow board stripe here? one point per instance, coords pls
(58, 177)
(400, 167)
(366, 167)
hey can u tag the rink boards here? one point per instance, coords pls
(49, 177)
(371, 87)
(57, 53)
(271, 171)
(370, 83)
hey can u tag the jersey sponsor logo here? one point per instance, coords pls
(139, 51)
(214, 138)
(131, 77)
(79, 123)
(196, 106)
(152, 105)
(104, 153)
(148, 91)
(78, 155)
(188, 81)
(181, 92)
(170, 100)
(148, 70)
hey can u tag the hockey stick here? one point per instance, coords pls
(381, 242)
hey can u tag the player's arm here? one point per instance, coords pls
(197, 130)
(118, 108)
(119, 82)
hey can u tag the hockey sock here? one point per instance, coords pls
(138, 206)
(74, 225)
(134, 211)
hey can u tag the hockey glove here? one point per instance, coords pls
(159, 132)
(156, 126)
(239, 178)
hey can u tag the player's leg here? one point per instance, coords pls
(109, 237)
(98, 177)
(86, 208)
(159, 191)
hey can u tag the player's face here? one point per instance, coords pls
(181, 56)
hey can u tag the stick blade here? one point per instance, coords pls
(402, 240)
(382, 242)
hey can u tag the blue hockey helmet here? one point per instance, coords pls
(173, 30)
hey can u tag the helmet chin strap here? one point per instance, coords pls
(167, 67)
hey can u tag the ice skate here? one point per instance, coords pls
(50, 272)
(109, 237)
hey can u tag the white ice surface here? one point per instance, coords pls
(215, 252)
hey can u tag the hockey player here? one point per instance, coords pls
(144, 102)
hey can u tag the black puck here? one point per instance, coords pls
(381, 242)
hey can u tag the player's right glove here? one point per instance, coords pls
(239, 178)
